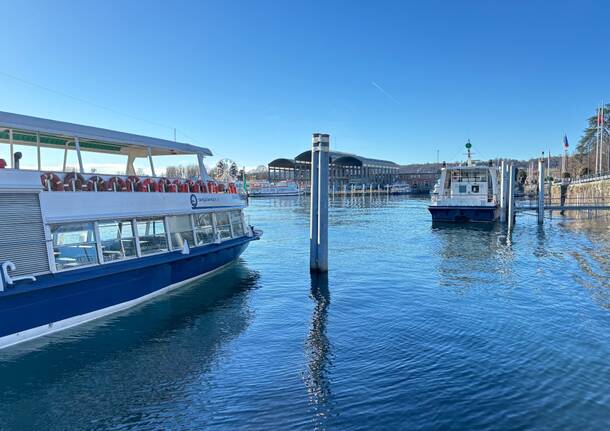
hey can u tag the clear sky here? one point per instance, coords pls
(253, 79)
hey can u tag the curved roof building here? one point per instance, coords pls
(345, 168)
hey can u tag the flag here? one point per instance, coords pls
(565, 141)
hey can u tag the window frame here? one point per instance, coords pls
(152, 218)
(53, 267)
(135, 238)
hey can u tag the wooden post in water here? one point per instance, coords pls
(318, 237)
(540, 192)
(511, 196)
(503, 191)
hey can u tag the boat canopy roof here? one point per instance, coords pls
(59, 134)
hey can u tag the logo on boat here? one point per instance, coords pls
(194, 201)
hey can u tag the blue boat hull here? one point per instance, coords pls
(31, 309)
(464, 214)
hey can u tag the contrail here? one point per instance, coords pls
(388, 95)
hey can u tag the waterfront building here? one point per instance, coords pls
(344, 169)
(420, 182)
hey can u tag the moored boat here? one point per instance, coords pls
(76, 246)
(400, 189)
(266, 189)
(466, 193)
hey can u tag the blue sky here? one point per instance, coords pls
(253, 79)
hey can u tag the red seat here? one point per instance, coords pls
(2, 163)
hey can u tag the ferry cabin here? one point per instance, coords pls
(75, 246)
(466, 193)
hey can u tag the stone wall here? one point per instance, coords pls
(594, 192)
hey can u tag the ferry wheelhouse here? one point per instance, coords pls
(468, 193)
(75, 246)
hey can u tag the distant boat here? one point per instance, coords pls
(266, 189)
(466, 193)
(400, 189)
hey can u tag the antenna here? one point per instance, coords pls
(468, 147)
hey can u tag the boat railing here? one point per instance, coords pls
(94, 182)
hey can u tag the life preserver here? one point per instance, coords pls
(164, 185)
(232, 188)
(182, 187)
(212, 187)
(96, 183)
(199, 187)
(74, 182)
(52, 181)
(148, 185)
(133, 183)
(117, 184)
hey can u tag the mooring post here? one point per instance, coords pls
(511, 196)
(540, 192)
(318, 238)
(503, 190)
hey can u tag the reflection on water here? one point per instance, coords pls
(431, 327)
(140, 356)
(318, 352)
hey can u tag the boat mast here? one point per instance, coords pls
(469, 159)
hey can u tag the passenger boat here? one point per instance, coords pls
(266, 189)
(76, 246)
(400, 189)
(466, 193)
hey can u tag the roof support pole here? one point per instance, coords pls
(38, 151)
(65, 158)
(202, 172)
(130, 170)
(152, 166)
(79, 155)
(10, 141)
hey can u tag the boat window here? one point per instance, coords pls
(237, 224)
(117, 240)
(73, 245)
(180, 230)
(151, 234)
(204, 228)
(462, 189)
(223, 225)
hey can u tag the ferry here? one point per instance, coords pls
(400, 189)
(76, 246)
(266, 189)
(466, 193)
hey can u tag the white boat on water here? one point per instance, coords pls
(78, 245)
(400, 189)
(468, 193)
(266, 189)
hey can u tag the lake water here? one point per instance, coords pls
(415, 327)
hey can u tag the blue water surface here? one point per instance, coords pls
(415, 327)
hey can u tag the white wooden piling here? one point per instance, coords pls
(503, 191)
(540, 192)
(318, 238)
(511, 196)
